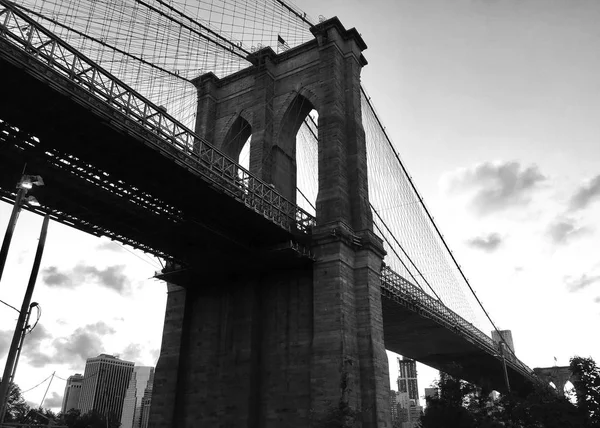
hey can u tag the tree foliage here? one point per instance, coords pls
(17, 408)
(19, 412)
(74, 419)
(462, 405)
(587, 388)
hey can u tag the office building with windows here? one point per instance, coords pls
(409, 412)
(141, 378)
(105, 383)
(72, 392)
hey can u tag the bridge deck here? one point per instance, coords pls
(106, 174)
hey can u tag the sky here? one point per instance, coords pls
(493, 108)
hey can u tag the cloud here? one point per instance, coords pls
(111, 277)
(497, 185)
(586, 194)
(564, 230)
(83, 343)
(597, 299)
(584, 281)
(488, 243)
(5, 339)
(132, 352)
(37, 354)
(53, 401)
(110, 246)
(52, 277)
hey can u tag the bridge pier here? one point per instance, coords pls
(289, 348)
(299, 346)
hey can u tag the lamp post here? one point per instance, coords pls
(14, 351)
(25, 184)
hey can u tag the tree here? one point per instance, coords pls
(542, 407)
(17, 408)
(74, 419)
(462, 405)
(448, 409)
(587, 388)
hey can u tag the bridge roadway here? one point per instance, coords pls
(108, 171)
(107, 174)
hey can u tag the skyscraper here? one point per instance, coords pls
(146, 402)
(407, 378)
(141, 377)
(408, 393)
(72, 392)
(105, 382)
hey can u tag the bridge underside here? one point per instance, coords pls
(410, 334)
(102, 180)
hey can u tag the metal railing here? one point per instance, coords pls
(130, 110)
(403, 292)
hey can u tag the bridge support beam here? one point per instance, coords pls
(286, 347)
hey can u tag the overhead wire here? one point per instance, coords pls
(10, 306)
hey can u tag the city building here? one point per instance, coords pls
(105, 383)
(141, 377)
(72, 392)
(410, 409)
(146, 402)
(394, 405)
(407, 378)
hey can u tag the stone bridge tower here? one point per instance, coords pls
(286, 347)
(559, 376)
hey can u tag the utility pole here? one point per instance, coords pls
(47, 388)
(23, 334)
(13, 352)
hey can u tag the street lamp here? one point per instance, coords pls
(25, 184)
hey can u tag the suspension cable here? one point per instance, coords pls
(94, 39)
(407, 256)
(429, 216)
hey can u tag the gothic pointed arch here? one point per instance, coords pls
(235, 138)
(297, 110)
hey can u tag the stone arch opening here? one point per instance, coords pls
(570, 392)
(236, 139)
(307, 163)
(295, 154)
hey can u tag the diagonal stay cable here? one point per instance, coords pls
(405, 254)
(205, 28)
(94, 39)
(429, 216)
(399, 258)
(187, 27)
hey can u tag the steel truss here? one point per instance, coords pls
(143, 119)
(398, 289)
